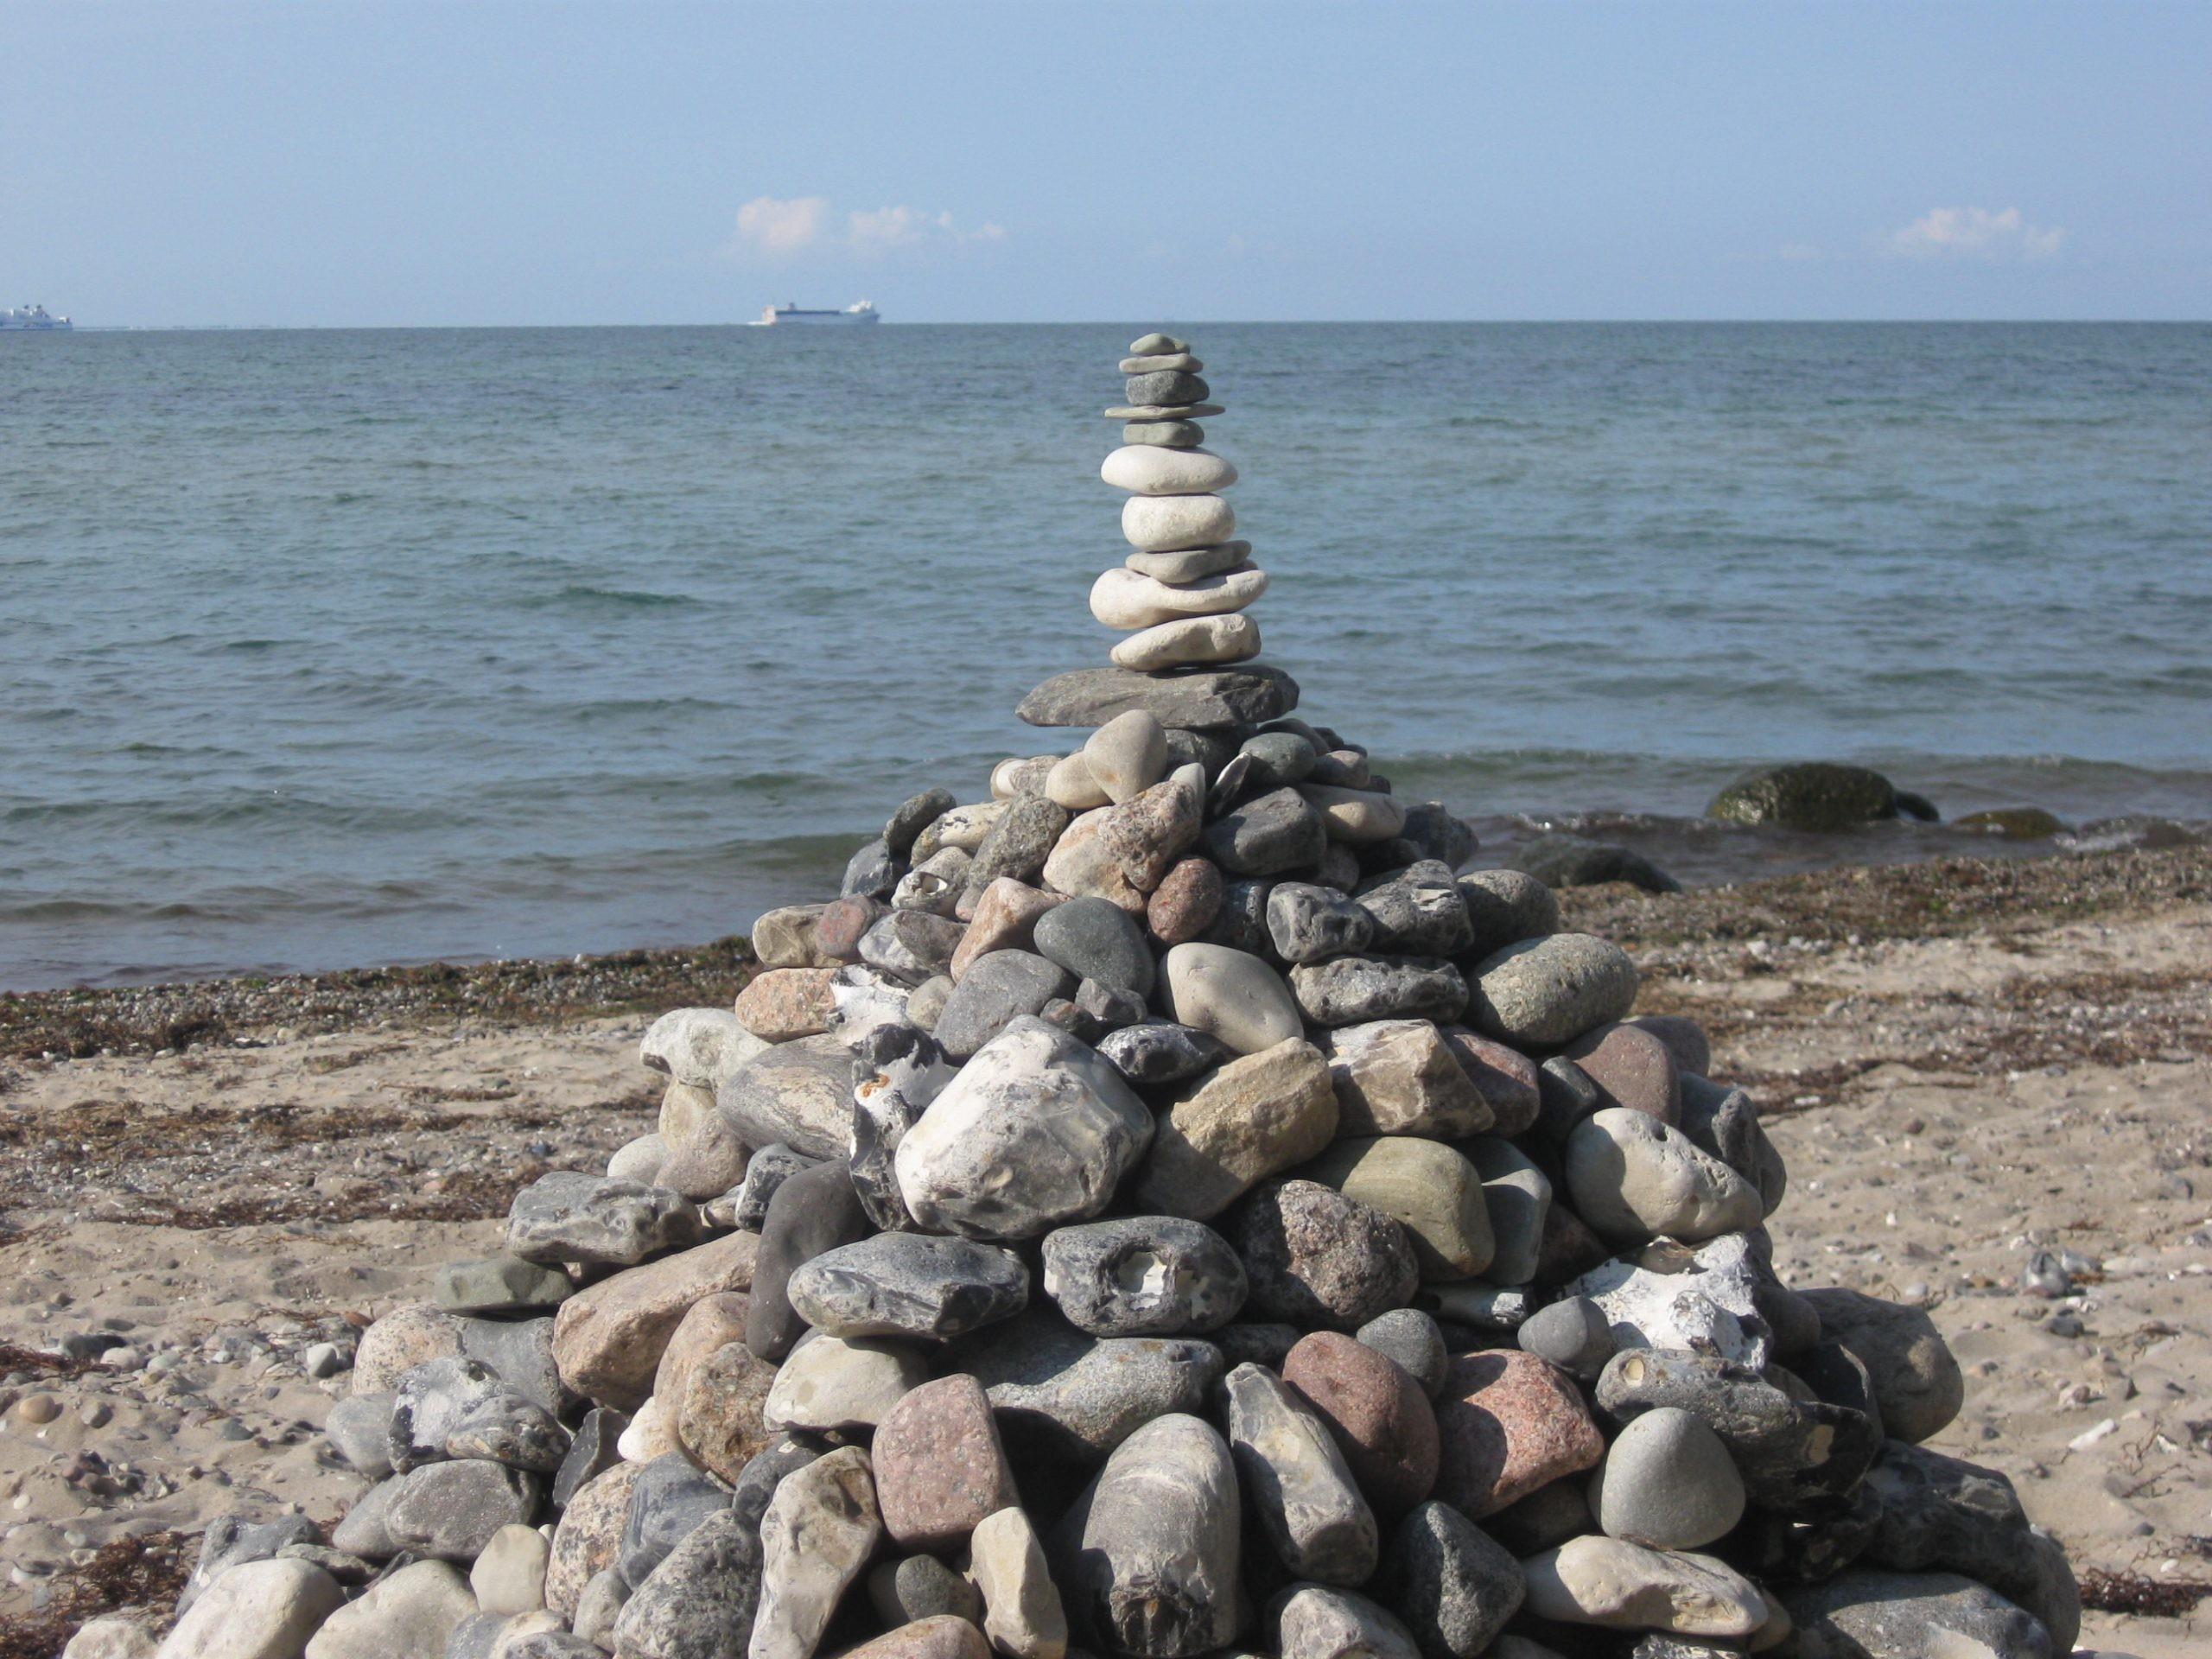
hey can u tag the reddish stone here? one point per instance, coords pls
(709, 1323)
(1685, 1039)
(1005, 920)
(1185, 902)
(943, 1636)
(785, 1003)
(719, 1418)
(1381, 1420)
(1121, 853)
(939, 1465)
(1503, 1077)
(837, 935)
(1509, 1423)
(1632, 1068)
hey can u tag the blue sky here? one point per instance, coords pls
(460, 163)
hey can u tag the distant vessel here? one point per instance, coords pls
(37, 318)
(775, 316)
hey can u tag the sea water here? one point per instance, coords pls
(326, 648)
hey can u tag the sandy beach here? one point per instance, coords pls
(1965, 1063)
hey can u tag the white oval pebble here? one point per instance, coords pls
(1149, 469)
(1122, 599)
(1160, 524)
(1070, 784)
(1231, 639)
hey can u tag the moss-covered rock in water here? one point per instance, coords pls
(2012, 823)
(1815, 795)
(1574, 862)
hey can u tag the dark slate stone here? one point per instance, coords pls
(998, 989)
(1564, 860)
(871, 873)
(915, 814)
(591, 1451)
(816, 1210)
(769, 1169)
(1268, 835)
(1160, 1051)
(1452, 1584)
(1098, 940)
(1418, 911)
(1200, 700)
(670, 1495)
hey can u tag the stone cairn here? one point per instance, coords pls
(1159, 1210)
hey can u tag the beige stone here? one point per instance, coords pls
(608, 1337)
(1123, 598)
(1235, 1126)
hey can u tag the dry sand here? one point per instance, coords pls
(1964, 1063)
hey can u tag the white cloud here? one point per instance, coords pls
(1975, 232)
(776, 228)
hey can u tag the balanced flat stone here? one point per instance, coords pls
(1147, 469)
(1189, 563)
(1192, 639)
(1200, 699)
(1172, 434)
(1149, 412)
(1160, 524)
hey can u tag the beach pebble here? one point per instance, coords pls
(699, 1046)
(598, 1608)
(1917, 1384)
(259, 1610)
(1004, 918)
(1200, 701)
(1016, 844)
(567, 1217)
(1631, 1068)
(1911, 1616)
(1185, 564)
(1314, 1621)
(997, 989)
(915, 814)
(1509, 1423)
(1724, 1122)
(1093, 939)
(1400, 1077)
(502, 1284)
(1354, 817)
(1233, 638)
(592, 1450)
(1037, 1131)
(1317, 1259)
(1632, 1179)
(1378, 1412)
(1454, 1586)
(783, 1003)
(670, 1497)
(942, 1637)
(940, 1468)
(1307, 923)
(702, 1597)
(1080, 1396)
(1129, 600)
(871, 873)
(934, 886)
(1426, 1187)
(1551, 990)
(1023, 1615)
(841, 1382)
(509, 1577)
(915, 1587)
(1143, 1276)
(1121, 852)
(1150, 1556)
(814, 1210)
(1277, 831)
(796, 1095)
(1297, 1482)
(1234, 1127)
(1127, 756)
(1667, 1481)
(1572, 1333)
(907, 1284)
(1174, 434)
(1419, 912)
(587, 1538)
(964, 827)
(1183, 906)
(607, 1340)
(1411, 1340)
(1158, 1051)
(1353, 990)
(1070, 784)
(1620, 1585)
(111, 1636)
(507, 1428)
(911, 945)
(1163, 523)
(1165, 385)
(769, 1168)
(842, 926)
(1153, 469)
(450, 1510)
(1232, 995)
(359, 1429)
(1704, 1300)
(231, 1540)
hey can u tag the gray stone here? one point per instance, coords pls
(1616, 1585)
(1241, 922)
(1251, 1342)
(1318, 1259)
(1450, 1582)
(1167, 387)
(757, 1481)
(1079, 1396)
(1266, 834)
(927, 1003)
(566, 1217)
(1297, 1481)
(507, 1428)
(1909, 1616)
(1549, 991)
(1023, 1613)
(1307, 923)
(1278, 759)
(697, 1046)
(1123, 853)
(999, 987)
(1158, 1051)
(1633, 1178)
(1313, 1621)
(671, 1496)
(1242, 695)
(908, 1284)
(1419, 912)
(231, 1540)
(1565, 860)
(1017, 843)
(1918, 1386)
(815, 1210)
(1037, 1131)
(700, 1600)
(1436, 834)
(1940, 1513)
(912, 946)
(520, 1353)
(1156, 343)
(1669, 1482)
(1352, 990)
(1518, 1196)
(365, 1529)
(429, 1403)
(816, 1539)
(1230, 996)
(601, 1604)
(592, 1452)
(502, 1284)
(1173, 435)
(413, 1610)
(798, 1094)
(934, 886)
(1411, 1340)
(450, 1510)
(1149, 1557)
(360, 1427)
(1094, 939)
(1724, 1122)
(1794, 1454)
(871, 873)
(261, 1610)
(915, 814)
(771, 1166)
(1144, 1276)
(1427, 1188)
(1816, 796)
(898, 1070)
(1572, 1333)
(921, 1586)
(1506, 907)
(1126, 756)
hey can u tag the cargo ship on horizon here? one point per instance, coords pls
(37, 318)
(776, 316)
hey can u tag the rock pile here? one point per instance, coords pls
(1162, 1208)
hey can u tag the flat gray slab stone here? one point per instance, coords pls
(1244, 695)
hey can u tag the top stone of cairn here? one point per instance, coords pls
(1181, 595)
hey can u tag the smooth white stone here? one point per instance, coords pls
(1231, 638)
(1127, 756)
(1160, 524)
(1149, 469)
(1189, 563)
(1070, 784)
(1122, 599)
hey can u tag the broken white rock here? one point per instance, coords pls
(699, 1046)
(1703, 1301)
